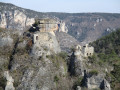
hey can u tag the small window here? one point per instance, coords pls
(90, 54)
(87, 54)
(36, 37)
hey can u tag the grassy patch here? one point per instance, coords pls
(93, 72)
(56, 78)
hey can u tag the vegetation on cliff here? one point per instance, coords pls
(108, 51)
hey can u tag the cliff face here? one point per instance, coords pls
(15, 20)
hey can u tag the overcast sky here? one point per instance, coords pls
(70, 6)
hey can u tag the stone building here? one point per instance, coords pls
(87, 50)
(84, 51)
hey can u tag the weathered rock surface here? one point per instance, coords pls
(78, 88)
(66, 41)
(15, 20)
(62, 27)
(8, 41)
(93, 82)
(46, 44)
(77, 62)
(105, 85)
(77, 65)
(41, 76)
(10, 81)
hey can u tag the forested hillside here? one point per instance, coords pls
(108, 51)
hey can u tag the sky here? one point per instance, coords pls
(69, 6)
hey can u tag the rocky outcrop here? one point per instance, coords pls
(105, 85)
(10, 81)
(45, 44)
(3, 22)
(7, 40)
(78, 88)
(95, 81)
(77, 63)
(40, 77)
(62, 27)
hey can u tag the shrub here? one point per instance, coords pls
(45, 48)
(56, 78)
(93, 72)
(16, 84)
(79, 82)
(28, 46)
(41, 58)
(2, 82)
(92, 58)
(63, 55)
(36, 23)
(72, 49)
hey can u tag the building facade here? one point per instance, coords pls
(84, 51)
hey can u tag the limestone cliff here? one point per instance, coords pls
(15, 20)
